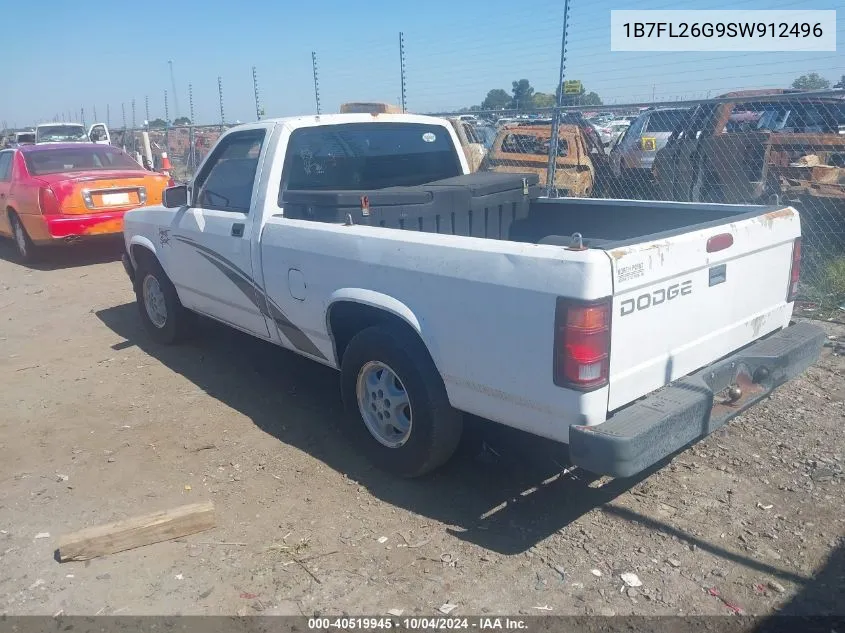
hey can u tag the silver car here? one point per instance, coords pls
(633, 153)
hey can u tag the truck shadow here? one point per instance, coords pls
(823, 596)
(505, 490)
(100, 251)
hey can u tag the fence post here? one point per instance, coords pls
(551, 171)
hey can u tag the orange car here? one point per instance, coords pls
(62, 192)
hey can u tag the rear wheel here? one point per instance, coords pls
(26, 249)
(163, 316)
(399, 409)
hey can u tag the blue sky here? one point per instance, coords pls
(91, 53)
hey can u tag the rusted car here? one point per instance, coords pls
(524, 148)
(768, 145)
(471, 142)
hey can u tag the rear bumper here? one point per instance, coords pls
(63, 226)
(691, 408)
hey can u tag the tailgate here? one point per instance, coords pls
(680, 304)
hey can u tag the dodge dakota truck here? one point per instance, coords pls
(626, 329)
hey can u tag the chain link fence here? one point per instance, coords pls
(763, 147)
(186, 146)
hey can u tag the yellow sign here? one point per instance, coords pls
(572, 87)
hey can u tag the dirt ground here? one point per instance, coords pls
(97, 424)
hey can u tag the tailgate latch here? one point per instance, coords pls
(576, 243)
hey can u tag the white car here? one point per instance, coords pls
(71, 133)
(627, 329)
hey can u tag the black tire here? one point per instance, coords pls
(179, 321)
(27, 251)
(435, 426)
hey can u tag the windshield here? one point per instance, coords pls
(71, 159)
(61, 133)
(25, 138)
(664, 120)
(369, 156)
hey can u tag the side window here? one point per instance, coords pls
(690, 125)
(227, 179)
(5, 166)
(632, 135)
(472, 137)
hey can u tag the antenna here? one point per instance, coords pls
(173, 85)
(82, 114)
(316, 81)
(95, 114)
(108, 115)
(402, 66)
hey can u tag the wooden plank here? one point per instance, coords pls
(135, 532)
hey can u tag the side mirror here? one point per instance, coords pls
(175, 197)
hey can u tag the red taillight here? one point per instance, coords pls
(582, 344)
(795, 271)
(48, 202)
(171, 182)
(720, 242)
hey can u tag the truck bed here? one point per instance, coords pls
(616, 223)
(494, 206)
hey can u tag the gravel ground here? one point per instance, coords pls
(99, 424)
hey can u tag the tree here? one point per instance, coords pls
(544, 100)
(841, 83)
(182, 120)
(523, 94)
(591, 98)
(496, 99)
(157, 123)
(813, 81)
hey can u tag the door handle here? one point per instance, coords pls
(238, 230)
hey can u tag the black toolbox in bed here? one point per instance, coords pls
(483, 204)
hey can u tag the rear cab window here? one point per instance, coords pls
(356, 156)
(523, 143)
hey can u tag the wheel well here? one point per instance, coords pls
(142, 254)
(347, 318)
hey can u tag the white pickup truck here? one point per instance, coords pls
(626, 329)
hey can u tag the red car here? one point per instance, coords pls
(63, 192)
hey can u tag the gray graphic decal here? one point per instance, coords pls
(258, 297)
